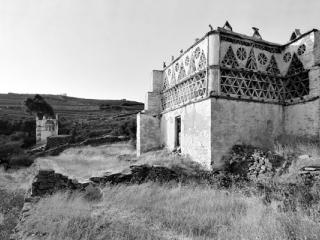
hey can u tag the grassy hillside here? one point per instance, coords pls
(82, 118)
(11, 106)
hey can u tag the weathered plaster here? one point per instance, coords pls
(195, 130)
(302, 119)
(239, 122)
(148, 133)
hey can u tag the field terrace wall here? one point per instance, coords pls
(230, 88)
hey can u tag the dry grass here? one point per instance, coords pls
(151, 211)
(16, 179)
(299, 152)
(85, 162)
(11, 203)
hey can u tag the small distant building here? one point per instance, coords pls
(46, 127)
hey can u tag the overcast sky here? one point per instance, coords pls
(106, 49)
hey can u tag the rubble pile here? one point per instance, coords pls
(253, 163)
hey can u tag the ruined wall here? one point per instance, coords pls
(195, 130)
(240, 122)
(55, 141)
(48, 181)
(148, 132)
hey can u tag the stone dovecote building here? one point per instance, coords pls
(229, 88)
(46, 127)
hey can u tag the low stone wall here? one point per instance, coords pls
(55, 141)
(49, 182)
(91, 141)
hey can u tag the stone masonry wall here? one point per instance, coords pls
(148, 133)
(48, 182)
(55, 141)
(302, 119)
(241, 122)
(153, 99)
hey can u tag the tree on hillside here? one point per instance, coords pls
(38, 106)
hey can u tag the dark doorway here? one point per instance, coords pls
(178, 132)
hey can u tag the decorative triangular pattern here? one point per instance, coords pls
(272, 68)
(193, 88)
(192, 67)
(203, 61)
(251, 63)
(251, 84)
(297, 85)
(173, 78)
(296, 66)
(165, 83)
(229, 59)
(182, 73)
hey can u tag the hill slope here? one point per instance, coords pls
(11, 106)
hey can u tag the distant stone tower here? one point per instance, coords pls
(46, 127)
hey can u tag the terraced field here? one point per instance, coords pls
(11, 107)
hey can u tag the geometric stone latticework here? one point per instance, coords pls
(191, 88)
(229, 59)
(165, 83)
(296, 66)
(202, 62)
(266, 86)
(297, 79)
(192, 66)
(273, 66)
(182, 73)
(255, 85)
(297, 85)
(251, 63)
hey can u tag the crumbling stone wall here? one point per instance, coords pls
(48, 182)
(55, 141)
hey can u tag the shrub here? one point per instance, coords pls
(17, 136)
(29, 141)
(20, 160)
(93, 193)
(9, 149)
